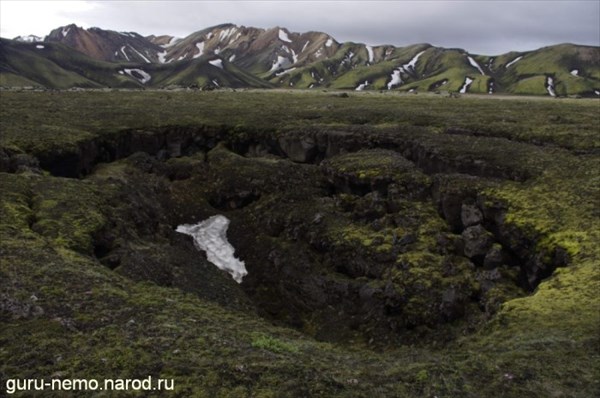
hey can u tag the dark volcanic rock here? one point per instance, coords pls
(478, 241)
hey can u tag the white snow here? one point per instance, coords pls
(216, 83)
(161, 56)
(305, 45)
(413, 62)
(141, 55)
(116, 53)
(491, 88)
(575, 72)
(39, 46)
(465, 86)
(182, 57)
(475, 64)
(200, 47)
(362, 86)
(217, 50)
(209, 35)
(283, 36)
(318, 53)
(65, 32)
(370, 51)
(396, 79)
(121, 72)
(294, 56)
(145, 77)
(550, 86)
(216, 62)
(597, 92)
(328, 43)
(281, 63)
(28, 39)
(513, 61)
(171, 42)
(232, 58)
(210, 236)
(124, 53)
(225, 34)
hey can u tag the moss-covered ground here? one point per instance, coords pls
(357, 283)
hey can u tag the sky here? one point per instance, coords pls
(479, 26)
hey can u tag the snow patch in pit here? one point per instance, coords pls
(210, 236)
(39, 47)
(575, 72)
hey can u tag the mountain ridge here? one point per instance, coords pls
(281, 58)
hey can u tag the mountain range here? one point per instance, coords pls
(234, 56)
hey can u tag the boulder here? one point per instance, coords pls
(470, 215)
(478, 241)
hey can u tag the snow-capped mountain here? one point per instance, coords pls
(274, 57)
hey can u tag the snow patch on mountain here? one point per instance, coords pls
(232, 58)
(474, 64)
(328, 43)
(139, 75)
(124, 53)
(550, 86)
(171, 42)
(305, 45)
(141, 55)
(28, 39)
(162, 56)
(225, 34)
(210, 236)
(281, 63)
(283, 36)
(370, 52)
(65, 31)
(413, 62)
(200, 47)
(466, 85)
(513, 62)
(284, 72)
(396, 79)
(362, 86)
(216, 62)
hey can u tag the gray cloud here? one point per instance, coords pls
(486, 27)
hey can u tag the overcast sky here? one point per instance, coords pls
(479, 26)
